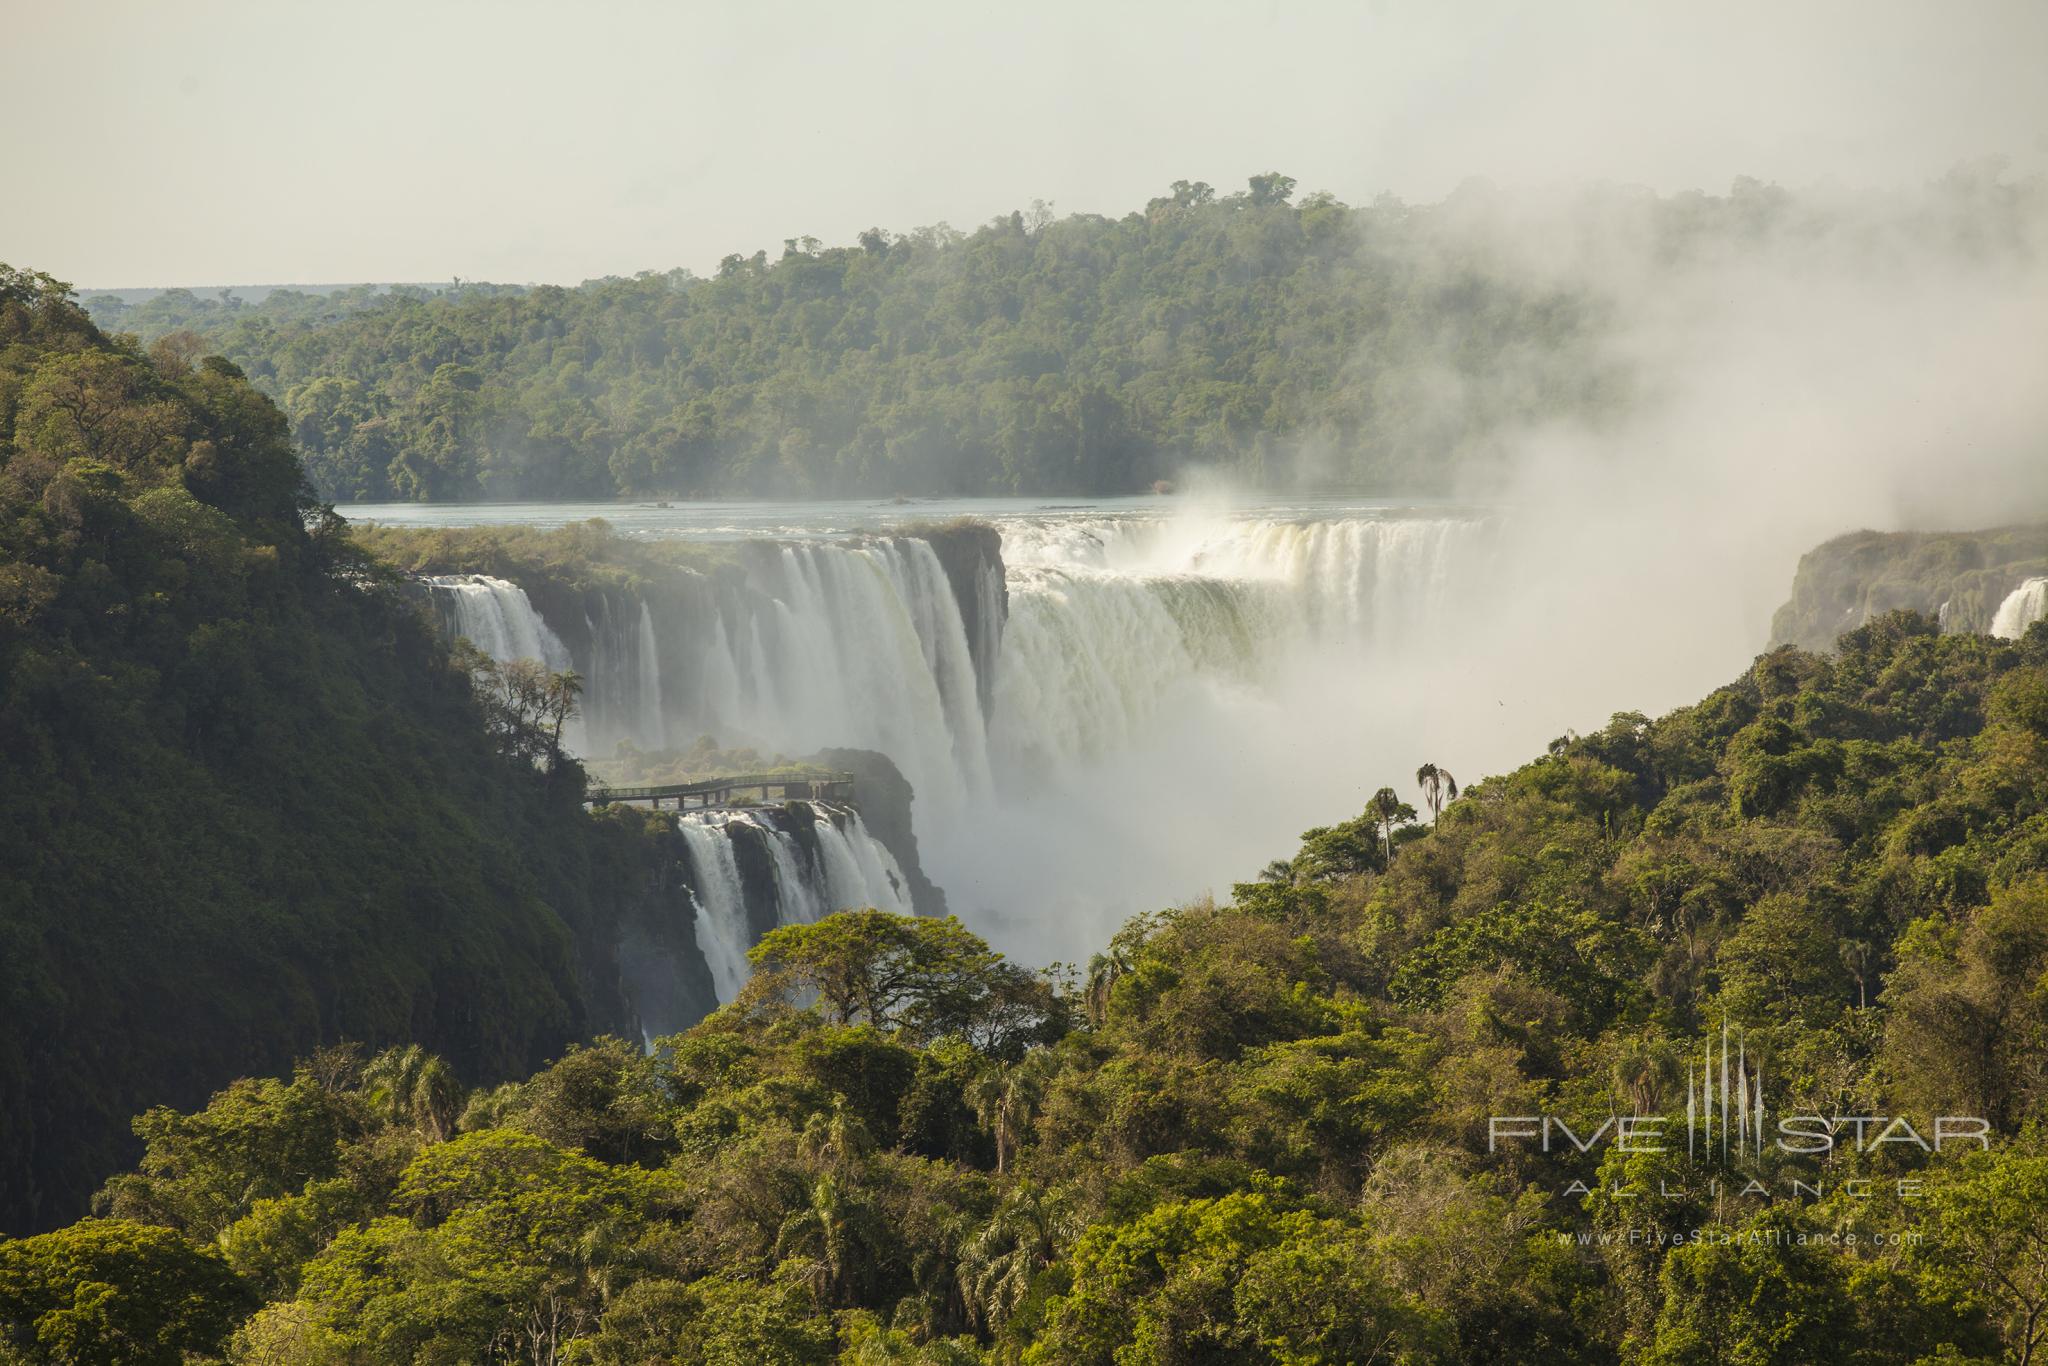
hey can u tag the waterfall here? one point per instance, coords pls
(719, 903)
(2022, 607)
(1109, 619)
(1094, 708)
(622, 692)
(865, 646)
(498, 619)
(821, 859)
(1003, 663)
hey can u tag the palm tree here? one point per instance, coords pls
(1105, 970)
(1006, 1098)
(838, 1236)
(836, 1141)
(1645, 1069)
(1387, 810)
(1860, 956)
(1438, 787)
(412, 1086)
(997, 1265)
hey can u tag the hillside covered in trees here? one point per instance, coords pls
(250, 802)
(1259, 1132)
(1289, 341)
(1284, 340)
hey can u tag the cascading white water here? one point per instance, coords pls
(1109, 619)
(2022, 607)
(623, 696)
(498, 618)
(866, 643)
(866, 646)
(720, 906)
(843, 867)
(1171, 698)
(858, 644)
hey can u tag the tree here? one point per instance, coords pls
(1006, 1097)
(253, 1140)
(924, 977)
(1387, 811)
(1784, 961)
(413, 1087)
(999, 1264)
(1860, 957)
(1331, 853)
(105, 1292)
(1104, 971)
(837, 1239)
(719, 1320)
(528, 704)
(602, 1099)
(1764, 1297)
(1438, 787)
(1965, 1031)
(1987, 1246)
(100, 405)
(1271, 189)
(1240, 1278)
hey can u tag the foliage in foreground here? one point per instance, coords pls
(1253, 1133)
(249, 800)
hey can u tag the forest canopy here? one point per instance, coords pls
(1285, 339)
(1254, 1133)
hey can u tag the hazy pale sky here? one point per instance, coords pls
(231, 141)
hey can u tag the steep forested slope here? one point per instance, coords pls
(247, 804)
(1259, 1133)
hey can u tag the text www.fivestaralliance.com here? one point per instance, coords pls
(1654, 1237)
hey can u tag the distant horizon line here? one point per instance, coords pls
(84, 290)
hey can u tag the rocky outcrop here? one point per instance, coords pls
(1959, 578)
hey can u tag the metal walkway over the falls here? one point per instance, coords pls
(713, 793)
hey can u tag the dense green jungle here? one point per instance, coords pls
(1282, 340)
(262, 823)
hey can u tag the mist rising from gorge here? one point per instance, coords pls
(1795, 365)
(1816, 362)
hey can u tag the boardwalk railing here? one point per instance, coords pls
(733, 791)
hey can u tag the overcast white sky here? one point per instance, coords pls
(237, 141)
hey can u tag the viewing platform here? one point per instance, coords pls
(741, 790)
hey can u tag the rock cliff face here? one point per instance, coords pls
(1957, 577)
